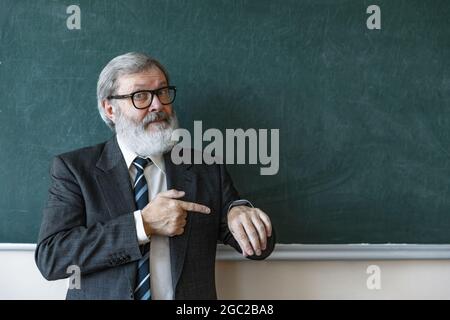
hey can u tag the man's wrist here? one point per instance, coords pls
(142, 235)
(240, 202)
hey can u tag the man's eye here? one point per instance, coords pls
(141, 96)
(163, 92)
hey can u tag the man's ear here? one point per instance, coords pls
(109, 110)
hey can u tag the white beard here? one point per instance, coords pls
(140, 140)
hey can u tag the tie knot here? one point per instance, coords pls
(141, 163)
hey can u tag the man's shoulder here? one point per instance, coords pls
(200, 162)
(180, 155)
(83, 155)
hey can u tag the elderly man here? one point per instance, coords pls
(135, 224)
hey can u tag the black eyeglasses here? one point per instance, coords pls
(142, 99)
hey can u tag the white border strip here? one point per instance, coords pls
(320, 251)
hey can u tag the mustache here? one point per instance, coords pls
(155, 116)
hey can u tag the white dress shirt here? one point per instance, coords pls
(160, 267)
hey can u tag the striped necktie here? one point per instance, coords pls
(142, 291)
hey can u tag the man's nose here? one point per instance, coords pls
(156, 105)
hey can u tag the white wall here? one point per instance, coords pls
(21, 279)
(401, 279)
(272, 279)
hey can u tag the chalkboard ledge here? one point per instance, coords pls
(348, 252)
(320, 251)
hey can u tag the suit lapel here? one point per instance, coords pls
(179, 177)
(114, 180)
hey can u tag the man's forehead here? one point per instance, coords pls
(152, 76)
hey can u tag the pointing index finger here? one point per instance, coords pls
(195, 207)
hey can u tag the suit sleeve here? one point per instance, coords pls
(229, 194)
(65, 240)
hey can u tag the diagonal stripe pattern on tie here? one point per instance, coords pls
(142, 290)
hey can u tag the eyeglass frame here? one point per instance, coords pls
(153, 92)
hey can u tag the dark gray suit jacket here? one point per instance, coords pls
(88, 222)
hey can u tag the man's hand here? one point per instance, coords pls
(250, 227)
(165, 215)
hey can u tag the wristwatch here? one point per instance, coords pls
(240, 202)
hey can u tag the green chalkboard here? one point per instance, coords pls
(364, 115)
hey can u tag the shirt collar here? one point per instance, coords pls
(130, 155)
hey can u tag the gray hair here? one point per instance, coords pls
(128, 63)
